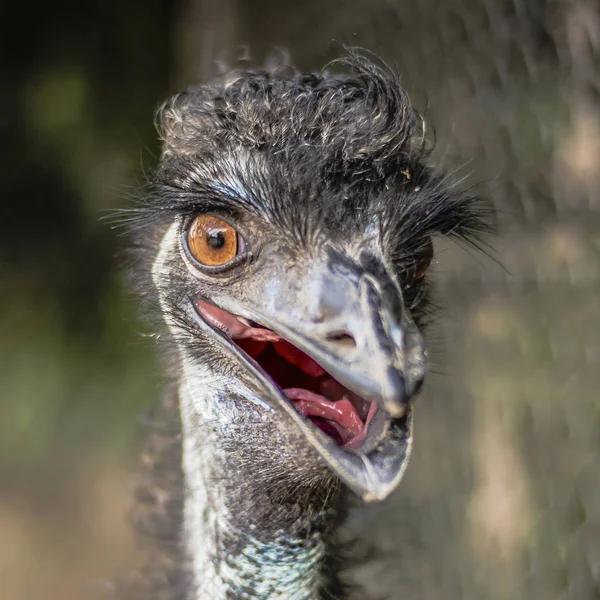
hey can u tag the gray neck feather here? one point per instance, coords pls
(240, 543)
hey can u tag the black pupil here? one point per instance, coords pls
(216, 239)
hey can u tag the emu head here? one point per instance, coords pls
(294, 219)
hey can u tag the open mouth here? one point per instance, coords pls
(358, 438)
(337, 411)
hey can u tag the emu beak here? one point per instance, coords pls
(344, 327)
(360, 334)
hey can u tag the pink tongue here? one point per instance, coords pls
(340, 414)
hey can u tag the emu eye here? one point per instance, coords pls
(423, 260)
(213, 242)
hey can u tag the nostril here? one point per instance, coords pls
(343, 340)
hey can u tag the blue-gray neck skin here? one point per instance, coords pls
(248, 532)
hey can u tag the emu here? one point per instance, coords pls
(284, 242)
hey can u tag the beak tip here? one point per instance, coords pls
(395, 407)
(397, 394)
(374, 497)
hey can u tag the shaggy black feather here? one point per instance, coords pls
(314, 157)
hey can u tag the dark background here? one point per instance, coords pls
(502, 498)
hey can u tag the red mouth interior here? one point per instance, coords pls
(333, 408)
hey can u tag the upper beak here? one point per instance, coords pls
(351, 320)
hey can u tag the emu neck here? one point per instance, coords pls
(247, 532)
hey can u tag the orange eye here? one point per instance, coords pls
(423, 261)
(211, 241)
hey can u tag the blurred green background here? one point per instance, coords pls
(80, 83)
(502, 498)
